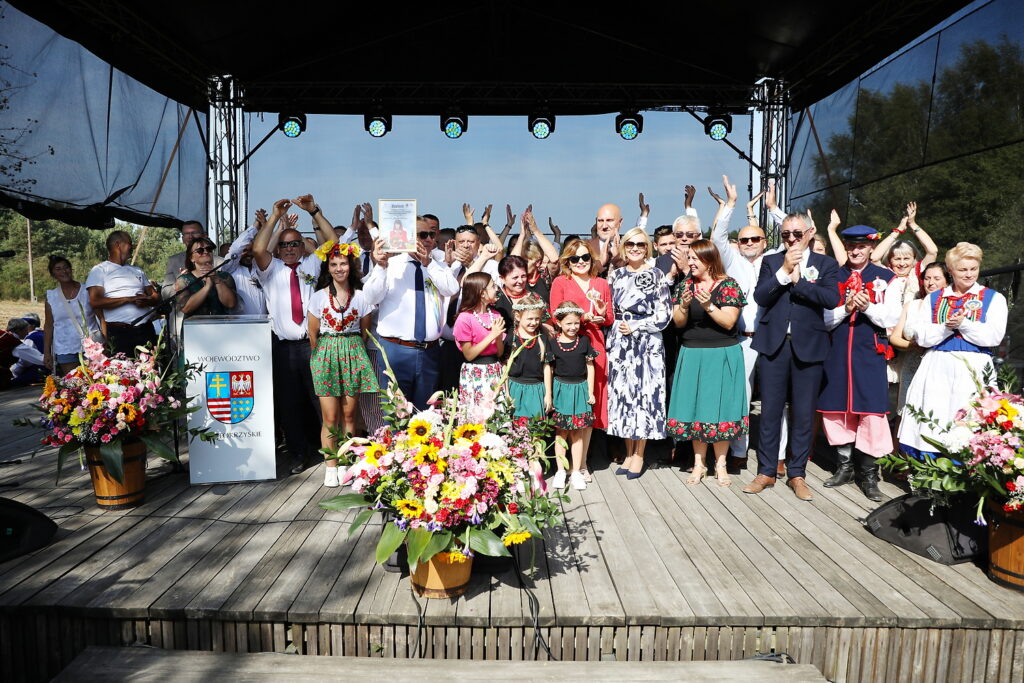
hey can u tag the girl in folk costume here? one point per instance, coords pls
(854, 397)
(530, 376)
(959, 325)
(572, 392)
(480, 333)
(339, 364)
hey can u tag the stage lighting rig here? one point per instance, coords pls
(377, 125)
(541, 125)
(717, 125)
(629, 125)
(292, 125)
(454, 125)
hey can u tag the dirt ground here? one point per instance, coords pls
(17, 308)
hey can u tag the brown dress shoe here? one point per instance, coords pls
(781, 469)
(760, 483)
(800, 488)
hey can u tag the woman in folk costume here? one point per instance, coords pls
(960, 326)
(854, 397)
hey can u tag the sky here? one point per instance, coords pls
(581, 166)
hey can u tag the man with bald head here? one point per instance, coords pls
(289, 282)
(743, 265)
(606, 240)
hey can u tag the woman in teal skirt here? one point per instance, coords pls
(709, 394)
(339, 364)
(530, 375)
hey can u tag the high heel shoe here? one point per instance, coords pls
(622, 470)
(699, 472)
(722, 474)
(633, 475)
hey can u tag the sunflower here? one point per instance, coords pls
(515, 538)
(374, 451)
(419, 431)
(469, 432)
(127, 412)
(409, 508)
(95, 399)
(452, 557)
(428, 453)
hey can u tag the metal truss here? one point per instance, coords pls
(772, 112)
(418, 98)
(227, 183)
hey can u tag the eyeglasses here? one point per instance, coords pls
(690, 235)
(293, 243)
(203, 250)
(785, 234)
(636, 245)
(750, 240)
(582, 258)
(463, 228)
(427, 235)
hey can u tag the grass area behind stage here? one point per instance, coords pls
(17, 308)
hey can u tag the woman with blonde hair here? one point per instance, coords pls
(960, 326)
(636, 355)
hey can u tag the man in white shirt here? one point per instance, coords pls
(743, 265)
(409, 290)
(289, 282)
(123, 294)
(241, 265)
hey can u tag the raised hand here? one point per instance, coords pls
(752, 204)
(291, 221)
(490, 250)
(689, 192)
(645, 210)
(912, 213)
(730, 191)
(280, 207)
(715, 196)
(510, 218)
(449, 252)
(367, 212)
(769, 195)
(261, 218)
(305, 202)
(467, 214)
(486, 218)
(378, 255)
(833, 220)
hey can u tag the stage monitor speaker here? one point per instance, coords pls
(22, 529)
(947, 535)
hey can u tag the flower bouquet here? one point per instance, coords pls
(980, 452)
(454, 480)
(106, 402)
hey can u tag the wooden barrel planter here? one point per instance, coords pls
(110, 494)
(440, 578)
(1006, 547)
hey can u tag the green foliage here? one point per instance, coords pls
(82, 246)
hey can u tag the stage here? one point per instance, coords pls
(650, 569)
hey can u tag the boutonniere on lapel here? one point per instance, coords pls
(876, 288)
(811, 274)
(308, 279)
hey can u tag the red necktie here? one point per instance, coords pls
(297, 314)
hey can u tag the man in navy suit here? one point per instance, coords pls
(794, 289)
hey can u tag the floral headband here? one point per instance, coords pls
(519, 306)
(567, 307)
(331, 248)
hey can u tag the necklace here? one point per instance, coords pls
(490, 319)
(512, 296)
(338, 308)
(572, 348)
(530, 344)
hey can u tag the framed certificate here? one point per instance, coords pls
(397, 221)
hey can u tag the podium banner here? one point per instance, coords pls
(235, 392)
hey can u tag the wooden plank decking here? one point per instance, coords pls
(650, 569)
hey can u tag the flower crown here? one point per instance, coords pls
(519, 306)
(331, 248)
(567, 307)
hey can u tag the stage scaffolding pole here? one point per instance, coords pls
(227, 181)
(772, 110)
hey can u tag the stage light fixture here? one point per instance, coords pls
(629, 125)
(717, 126)
(541, 125)
(454, 125)
(377, 125)
(292, 125)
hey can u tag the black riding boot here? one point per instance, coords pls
(867, 475)
(844, 467)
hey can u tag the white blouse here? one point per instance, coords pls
(67, 316)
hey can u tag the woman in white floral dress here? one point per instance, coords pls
(636, 355)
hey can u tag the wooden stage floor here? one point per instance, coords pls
(650, 569)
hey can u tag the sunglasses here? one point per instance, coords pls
(582, 258)
(690, 235)
(750, 240)
(293, 243)
(465, 228)
(203, 250)
(785, 234)
(636, 245)
(426, 235)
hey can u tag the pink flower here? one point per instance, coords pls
(106, 438)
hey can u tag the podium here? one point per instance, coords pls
(235, 394)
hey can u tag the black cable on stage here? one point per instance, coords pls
(538, 640)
